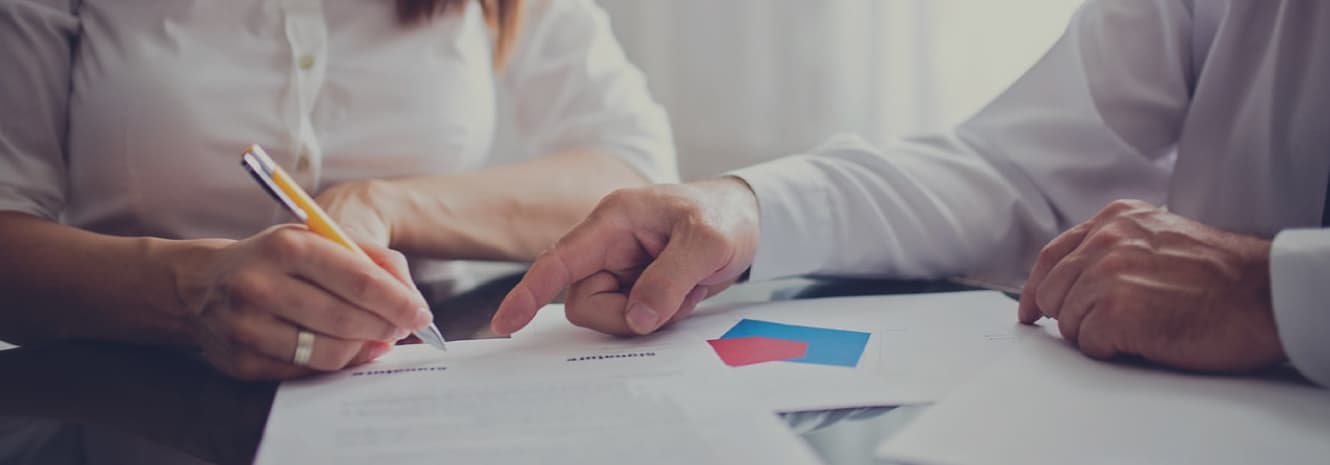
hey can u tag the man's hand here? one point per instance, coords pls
(643, 258)
(1136, 279)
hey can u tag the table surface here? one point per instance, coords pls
(92, 402)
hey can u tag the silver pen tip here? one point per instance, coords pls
(431, 335)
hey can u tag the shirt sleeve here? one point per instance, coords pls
(36, 46)
(574, 89)
(1299, 264)
(1094, 120)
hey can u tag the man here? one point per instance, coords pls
(1219, 110)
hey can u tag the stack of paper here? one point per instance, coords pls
(700, 392)
(1045, 403)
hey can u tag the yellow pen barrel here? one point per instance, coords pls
(318, 220)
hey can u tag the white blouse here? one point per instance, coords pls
(127, 117)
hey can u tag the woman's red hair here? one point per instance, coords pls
(501, 15)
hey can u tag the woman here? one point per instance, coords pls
(124, 214)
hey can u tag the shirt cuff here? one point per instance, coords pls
(1299, 265)
(794, 208)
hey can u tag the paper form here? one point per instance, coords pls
(487, 402)
(921, 346)
(1045, 403)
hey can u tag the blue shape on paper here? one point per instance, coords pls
(825, 346)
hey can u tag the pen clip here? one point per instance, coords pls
(257, 165)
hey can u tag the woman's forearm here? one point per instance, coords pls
(510, 212)
(59, 282)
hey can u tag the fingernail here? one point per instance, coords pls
(424, 315)
(399, 334)
(642, 318)
(509, 323)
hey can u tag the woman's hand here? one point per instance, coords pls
(255, 295)
(360, 208)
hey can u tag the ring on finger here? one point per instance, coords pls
(304, 348)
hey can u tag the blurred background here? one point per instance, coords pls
(750, 80)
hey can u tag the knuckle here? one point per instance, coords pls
(406, 309)
(249, 286)
(1123, 205)
(550, 254)
(362, 282)
(1044, 298)
(286, 243)
(1118, 205)
(707, 232)
(553, 259)
(1067, 328)
(1050, 255)
(341, 323)
(617, 197)
(686, 209)
(1107, 237)
(578, 317)
(1046, 254)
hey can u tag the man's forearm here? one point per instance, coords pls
(60, 282)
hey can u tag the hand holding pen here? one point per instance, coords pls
(289, 301)
(286, 192)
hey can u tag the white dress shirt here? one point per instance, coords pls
(1219, 110)
(127, 117)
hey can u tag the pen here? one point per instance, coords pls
(282, 188)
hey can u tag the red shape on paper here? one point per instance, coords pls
(742, 351)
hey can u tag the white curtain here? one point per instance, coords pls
(750, 80)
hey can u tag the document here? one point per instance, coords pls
(488, 402)
(1045, 403)
(555, 393)
(918, 346)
